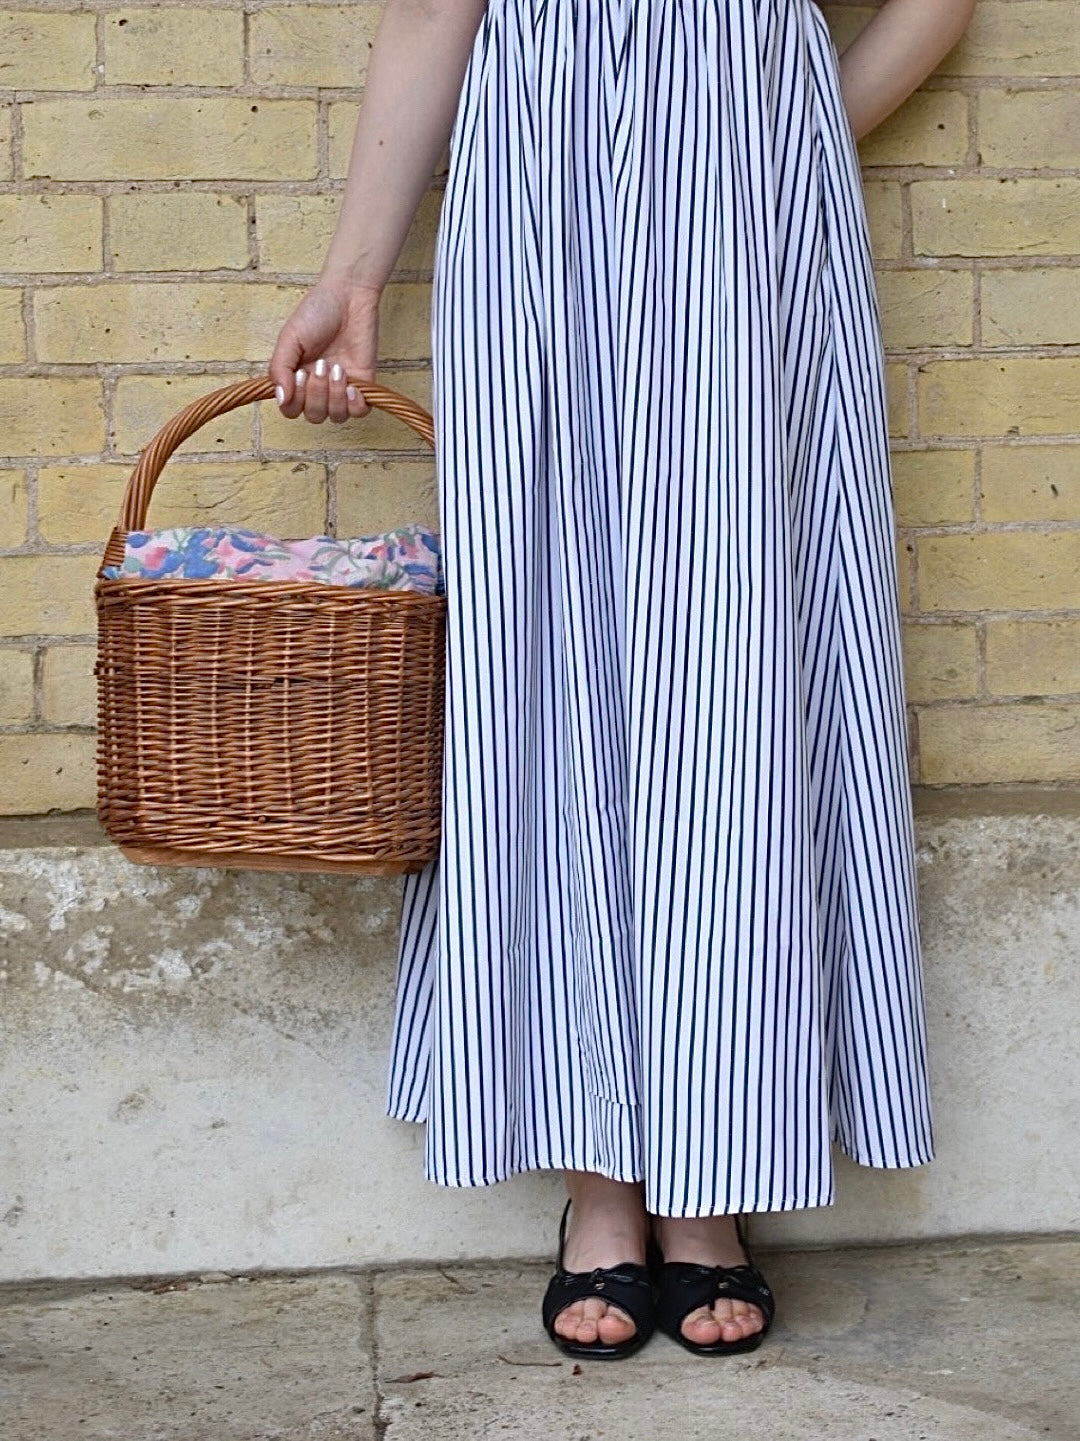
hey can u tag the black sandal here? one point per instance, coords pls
(684, 1286)
(628, 1286)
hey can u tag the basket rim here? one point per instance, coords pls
(163, 584)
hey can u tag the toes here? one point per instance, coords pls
(580, 1321)
(615, 1325)
(701, 1327)
(737, 1319)
(723, 1321)
(568, 1321)
(593, 1320)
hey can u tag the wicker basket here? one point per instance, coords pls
(268, 725)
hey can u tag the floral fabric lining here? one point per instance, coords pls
(404, 559)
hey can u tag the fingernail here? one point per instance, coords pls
(320, 367)
(301, 377)
(352, 392)
(279, 392)
(336, 372)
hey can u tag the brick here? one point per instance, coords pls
(405, 321)
(313, 45)
(42, 415)
(973, 745)
(68, 686)
(1027, 216)
(1033, 657)
(896, 398)
(933, 487)
(194, 231)
(47, 595)
(999, 570)
(50, 233)
(885, 218)
(1029, 128)
(51, 772)
(1022, 396)
(143, 404)
(377, 495)
(377, 431)
(294, 232)
(146, 321)
(1038, 37)
(7, 164)
(12, 331)
(929, 128)
(181, 46)
(418, 251)
(1036, 306)
(939, 662)
(14, 509)
(1031, 482)
(905, 572)
(81, 503)
(926, 307)
(16, 686)
(170, 138)
(39, 51)
(287, 499)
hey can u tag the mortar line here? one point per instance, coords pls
(380, 1421)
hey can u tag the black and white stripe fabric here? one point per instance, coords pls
(672, 934)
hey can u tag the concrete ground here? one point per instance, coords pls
(945, 1342)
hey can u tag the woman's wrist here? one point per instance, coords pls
(341, 279)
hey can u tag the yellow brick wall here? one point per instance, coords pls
(168, 179)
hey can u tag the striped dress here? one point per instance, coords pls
(672, 932)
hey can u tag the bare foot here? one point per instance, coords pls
(709, 1241)
(607, 1227)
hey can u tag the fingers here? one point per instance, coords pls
(316, 398)
(337, 405)
(321, 393)
(290, 395)
(288, 353)
(358, 406)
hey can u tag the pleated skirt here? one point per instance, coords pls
(672, 934)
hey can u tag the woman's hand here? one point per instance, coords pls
(333, 333)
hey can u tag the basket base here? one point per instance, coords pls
(147, 855)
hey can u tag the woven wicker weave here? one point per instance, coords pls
(268, 725)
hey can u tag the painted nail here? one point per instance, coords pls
(320, 367)
(279, 391)
(336, 372)
(352, 393)
(301, 377)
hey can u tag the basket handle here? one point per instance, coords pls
(186, 422)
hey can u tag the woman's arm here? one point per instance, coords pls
(411, 96)
(894, 53)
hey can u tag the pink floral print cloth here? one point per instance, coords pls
(404, 559)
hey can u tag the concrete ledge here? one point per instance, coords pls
(193, 1062)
